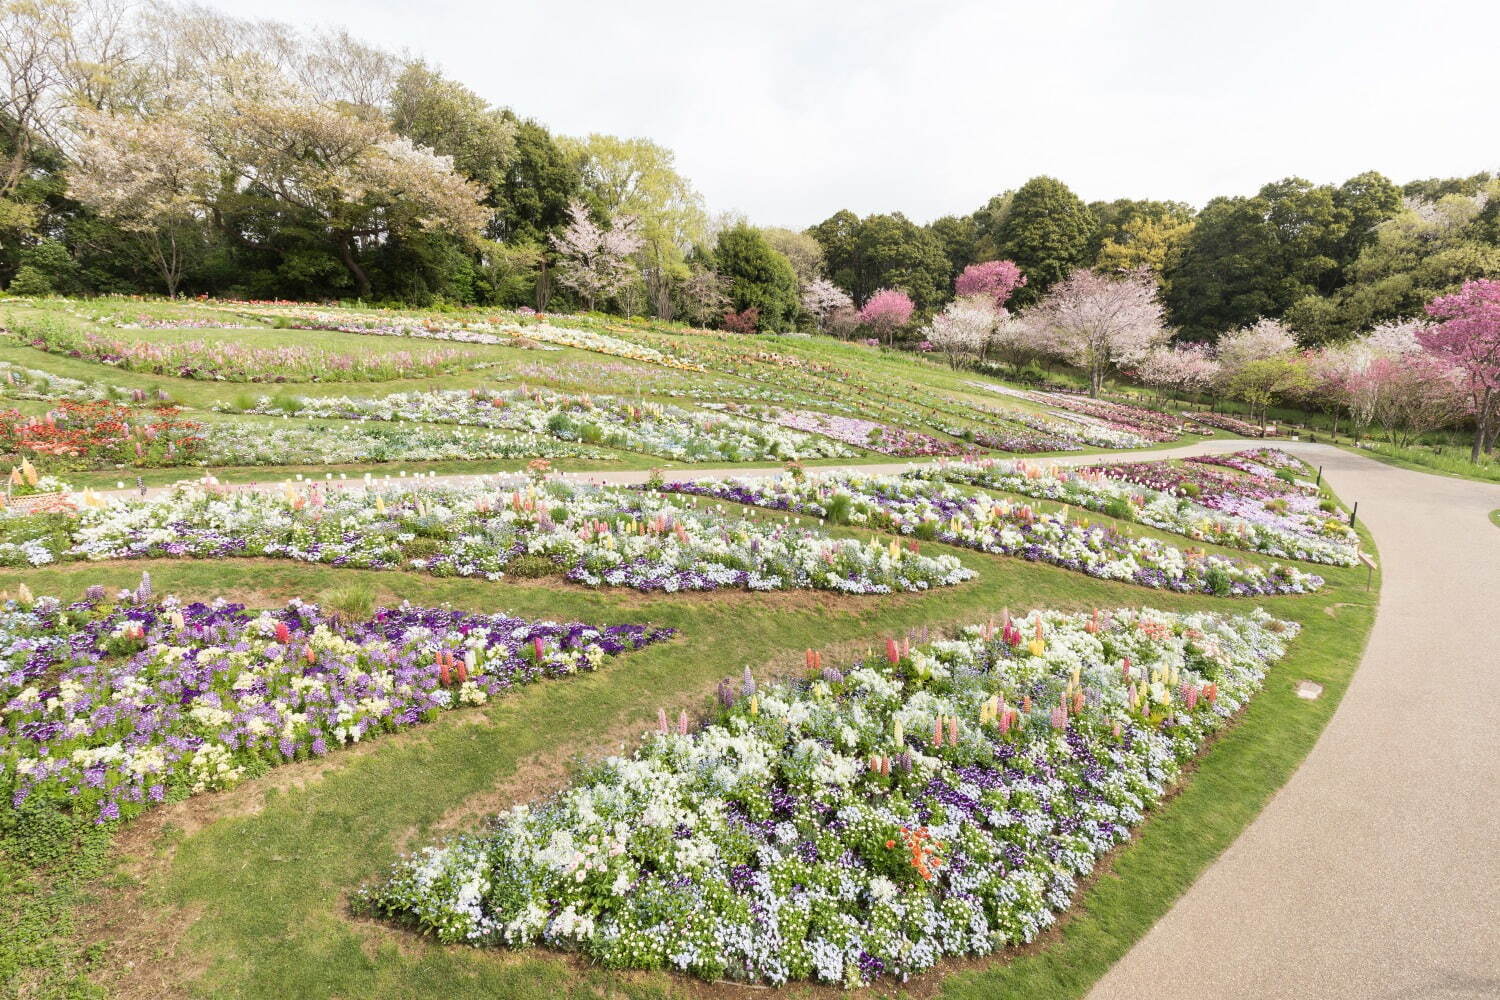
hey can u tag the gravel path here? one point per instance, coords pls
(1375, 871)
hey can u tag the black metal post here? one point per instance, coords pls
(1354, 513)
(1320, 476)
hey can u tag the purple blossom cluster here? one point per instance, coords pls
(112, 705)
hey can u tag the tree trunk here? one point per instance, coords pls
(346, 254)
(1481, 426)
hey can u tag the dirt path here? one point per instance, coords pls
(1375, 871)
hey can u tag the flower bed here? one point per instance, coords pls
(945, 800)
(1224, 422)
(1319, 542)
(593, 536)
(1262, 487)
(110, 706)
(923, 509)
(863, 433)
(1150, 424)
(92, 435)
(229, 362)
(265, 443)
(652, 428)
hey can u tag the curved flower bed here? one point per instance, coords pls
(911, 506)
(941, 801)
(652, 428)
(110, 706)
(1224, 422)
(260, 443)
(858, 431)
(1321, 540)
(594, 536)
(230, 362)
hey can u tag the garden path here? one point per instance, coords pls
(1374, 872)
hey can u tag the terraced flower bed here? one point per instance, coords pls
(926, 509)
(652, 428)
(862, 433)
(1315, 536)
(113, 704)
(942, 800)
(593, 536)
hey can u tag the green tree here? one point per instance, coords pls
(959, 238)
(884, 251)
(1227, 275)
(803, 250)
(1047, 230)
(758, 276)
(1367, 200)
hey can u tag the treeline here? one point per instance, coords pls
(161, 148)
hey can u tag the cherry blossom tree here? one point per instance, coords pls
(595, 261)
(1263, 339)
(1413, 395)
(822, 298)
(1183, 369)
(151, 177)
(1100, 323)
(1013, 341)
(887, 311)
(997, 279)
(963, 328)
(1467, 338)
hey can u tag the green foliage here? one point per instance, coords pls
(531, 567)
(1046, 229)
(759, 277)
(30, 281)
(884, 251)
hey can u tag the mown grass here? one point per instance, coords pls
(265, 891)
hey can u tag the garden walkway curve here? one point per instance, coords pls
(1374, 872)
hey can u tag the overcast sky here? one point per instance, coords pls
(789, 111)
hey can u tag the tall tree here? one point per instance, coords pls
(596, 261)
(1099, 323)
(758, 276)
(801, 249)
(1466, 337)
(1047, 230)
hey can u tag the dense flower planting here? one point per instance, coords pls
(1262, 487)
(594, 536)
(1318, 537)
(942, 800)
(1072, 430)
(1149, 424)
(18, 382)
(1225, 422)
(110, 705)
(225, 361)
(89, 435)
(926, 509)
(653, 428)
(860, 432)
(261, 443)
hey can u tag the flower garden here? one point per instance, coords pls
(302, 626)
(944, 799)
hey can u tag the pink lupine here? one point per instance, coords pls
(662, 725)
(536, 648)
(953, 730)
(283, 633)
(892, 652)
(1059, 718)
(682, 723)
(937, 731)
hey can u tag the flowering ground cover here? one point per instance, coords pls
(1225, 422)
(98, 434)
(652, 428)
(926, 509)
(1262, 487)
(858, 431)
(225, 361)
(868, 822)
(1149, 424)
(1322, 539)
(112, 704)
(593, 536)
(348, 443)
(20, 382)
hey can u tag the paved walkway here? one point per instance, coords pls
(1375, 872)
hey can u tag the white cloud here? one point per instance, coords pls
(790, 111)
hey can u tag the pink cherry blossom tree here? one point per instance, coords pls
(997, 279)
(1412, 395)
(885, 312)
(1100, 323)
(1182, 369)
(1466, 337)
(594, 261)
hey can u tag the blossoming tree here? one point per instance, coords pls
(1467, 338)
(1100, 323)
(996, 279)
(596, 261)
(887, 311)
(963, 328)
